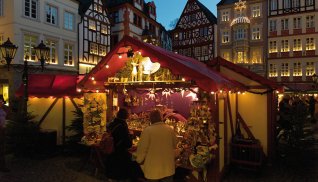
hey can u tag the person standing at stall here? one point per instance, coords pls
(156, 150)
(118, 163)
(3, 114)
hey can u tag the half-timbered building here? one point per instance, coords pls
(194, 34)
(292, 43)
(137, 19)
(94, 34)
(242, 31)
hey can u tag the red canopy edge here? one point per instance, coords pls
(205, 77)
(50, 85)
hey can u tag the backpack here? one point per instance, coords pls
(106, 144)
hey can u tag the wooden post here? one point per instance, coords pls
(63, 121)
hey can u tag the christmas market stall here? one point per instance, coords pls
(52, 100)
(143, 77)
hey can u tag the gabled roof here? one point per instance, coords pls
(250, 77)
(85, 4)
(189, 68)
(210, 16)
(224, 2)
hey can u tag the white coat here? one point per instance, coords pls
(156, 151)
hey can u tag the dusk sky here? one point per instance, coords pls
(169, 10)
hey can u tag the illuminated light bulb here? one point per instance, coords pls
(139, 52)
(221, 91)
(79, 90)
(239, 92)
(51, 97)
(92, 78)
(277, 91)
(120, 56)
(230, 92)
(107, 66)
(243, 93)
(183, 79)
(97, 91)
(212, 93)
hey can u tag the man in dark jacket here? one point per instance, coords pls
(119, 162)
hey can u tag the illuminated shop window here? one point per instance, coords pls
(4, 91)
(310, 68)
(285, 46)
(284, 69)
(104, 29)
(256, 56)
(310, 44)
(226, 56)
(297, 45)
(297, 69)
(241, 57)
(272, 70)
(102, 50)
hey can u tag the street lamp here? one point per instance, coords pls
(42, 52)
(8, 51)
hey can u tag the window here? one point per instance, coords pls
(256, 56)
(205, 50)
(30, 41)
(284, 69)
(272, 47)
(309, 2)
(240, 34)
(68, 21)
(51, 14)
(272, 70)
(204, 31)
(256, 35)
(285, 46)
(225, 37)
(310, 21)
(297, 69)
(102, 50)
(98, 8)
(284, 24)
(93, 48)
(137, 20)
(68, 55)
(52, 57)
(310, 69)
(295, 3)
(297, 23)
(226, 56)
(241, 57)
(1, 7)
(287, 4)
(104, 29)
(197, 51)
(297, 45)
(115, 17)
(310, 44)
(31, 8)
(273, 5)
(272, 25)
(92, 24)
(256, 11)
(225, 16)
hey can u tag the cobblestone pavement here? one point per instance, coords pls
(299, 166)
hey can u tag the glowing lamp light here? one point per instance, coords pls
(97, 91)
(79, 90)
(92, 78)
(193, 96)
(139, 52)
(152, 94)
(149, 67)
(212, 93)
(166, 92)
(120, 56)
(107, 66)
(183, 79)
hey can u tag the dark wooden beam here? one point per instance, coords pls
(48, 111)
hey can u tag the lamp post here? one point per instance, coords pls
(8, 50)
